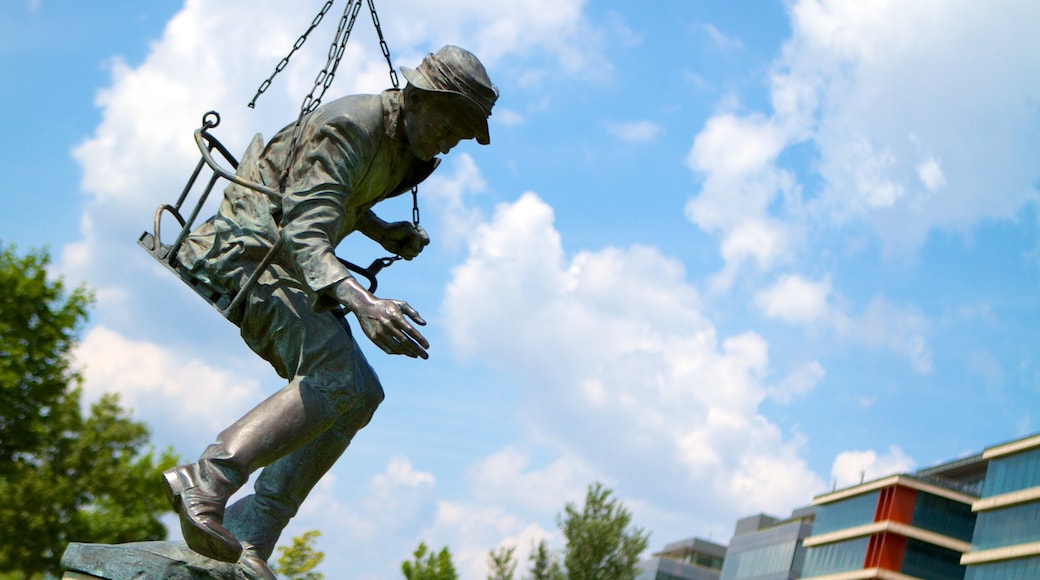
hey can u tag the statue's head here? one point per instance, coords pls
(457, 82)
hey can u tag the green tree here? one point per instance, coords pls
(601, 543)
(63, 476)
(427, 565)
(38, 323)
(298, 560)
(544, 563)
(502, 563)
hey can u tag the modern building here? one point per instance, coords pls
(974, 518)
(768, 548)
(692, 559)
(897, 527)
(1006, 544)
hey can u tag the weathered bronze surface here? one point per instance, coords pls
(319, 182)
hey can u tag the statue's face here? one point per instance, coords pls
(433, 128)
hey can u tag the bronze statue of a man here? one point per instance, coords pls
(345, 157)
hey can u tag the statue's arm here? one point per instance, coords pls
(310, 229)
(401, 238)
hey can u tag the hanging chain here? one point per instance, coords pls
(322, 81)
(382, 44)
(325, 76)
(285, 61)
(336, 49)
(396, 84)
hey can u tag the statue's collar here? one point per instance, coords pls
(393, 117)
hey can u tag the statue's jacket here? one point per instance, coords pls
(350, 154)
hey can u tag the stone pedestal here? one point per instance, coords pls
(143, 561)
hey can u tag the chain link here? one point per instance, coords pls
(296, 46)
(382, 44)
(325, 77)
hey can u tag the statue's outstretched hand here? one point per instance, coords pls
(404, 239)
(385, 322)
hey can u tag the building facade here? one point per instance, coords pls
(895, 528)
(767, 548)
(1006, 544)
(692, 559)
(974, 518)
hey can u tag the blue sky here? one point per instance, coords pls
(720, 256)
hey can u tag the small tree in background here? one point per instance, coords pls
(544, 563)
(298, 560)
(64, 477)
(502, 563)
(426, 565)
(601, 543)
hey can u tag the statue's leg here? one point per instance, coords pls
(317, 351)
(283, 422)
(282, 486)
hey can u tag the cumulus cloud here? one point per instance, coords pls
(853, 467)
(181, 394)
(622, 369)
(900, 329)
(877, 91)
(795, 299)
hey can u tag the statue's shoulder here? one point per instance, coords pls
(363, 110)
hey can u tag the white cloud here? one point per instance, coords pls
(185, 394)
(795, 299)
(799, 382)
(446, 192)
(931, 175)
(852, 467)
(647, 386)
(918, 118)
(902, 330)
(636, 131)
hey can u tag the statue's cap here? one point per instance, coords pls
(454, 70)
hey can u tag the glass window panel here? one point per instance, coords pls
(1007, 527)
(849, 513)
(836, 557)
(943, 516)
(1022, 569)
(1012, 473)
(931, 562)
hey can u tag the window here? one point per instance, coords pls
(1007, 527)
(849, 513)
(1012, 473)
(1023, 569)
(924, 560)
(943, 516)
(836, 557)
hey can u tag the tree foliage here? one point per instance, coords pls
(38, 322)
(63, 476)
(298, 560)
(502, 563)
(601, 542)
(427, 565)
(544, 563)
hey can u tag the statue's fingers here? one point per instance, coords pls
(411, 312)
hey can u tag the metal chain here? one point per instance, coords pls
(322, 81)
(325, 76)
(396, 84)
(336, 49)
(296, 46)
(382, 44)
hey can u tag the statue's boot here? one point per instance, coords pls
(258, 519)
(199, 492)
